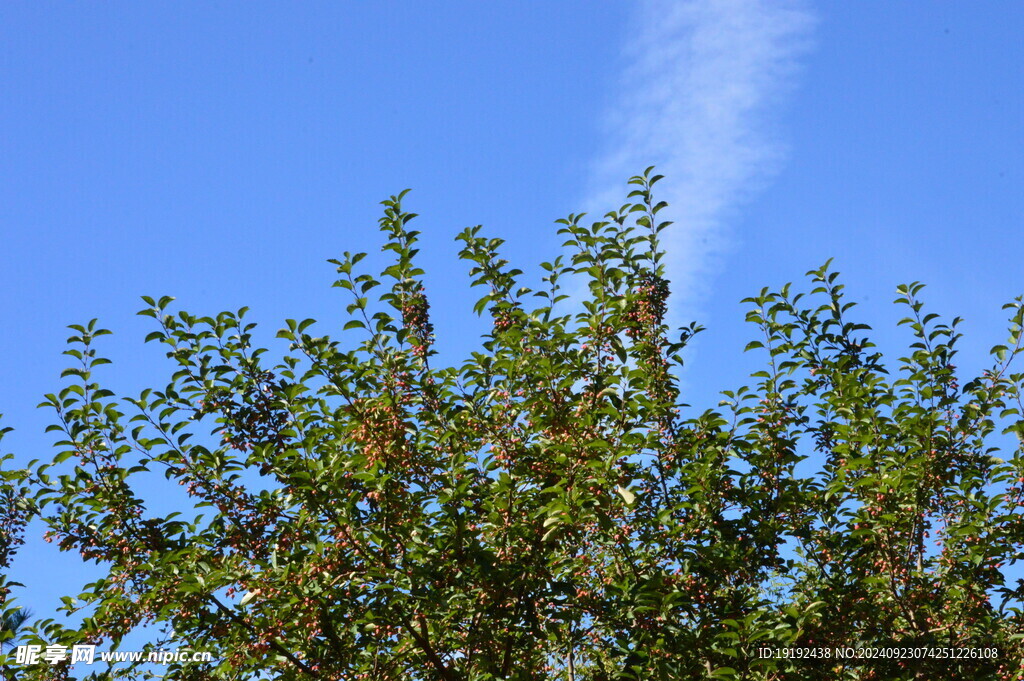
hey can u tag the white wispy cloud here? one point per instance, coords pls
(702, 78)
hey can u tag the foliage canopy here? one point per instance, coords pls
(547, 509)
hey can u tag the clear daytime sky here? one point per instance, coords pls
(221, 152)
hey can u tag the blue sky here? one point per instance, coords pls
(221, 153)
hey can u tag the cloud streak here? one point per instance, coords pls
(702, 78)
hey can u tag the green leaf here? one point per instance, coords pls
(626, 495)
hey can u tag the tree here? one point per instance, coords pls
(15, 511)
(12, 623)
(547, 509)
